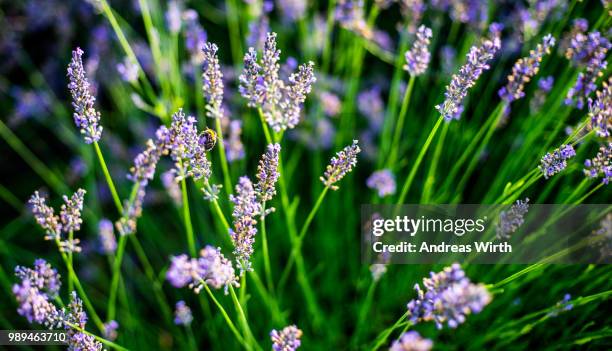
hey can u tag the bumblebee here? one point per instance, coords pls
(210, 139)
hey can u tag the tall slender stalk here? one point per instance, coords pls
(107, 176)
(224, 165)
(395, 144)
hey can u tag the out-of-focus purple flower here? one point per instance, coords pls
(267, 173)
(172, 188)
(128, 70)
(182, 314)
(417, 58)
(449, 297)
(370, 104)
(448, 59)
(288, 339)
(379, 268)
(257, 32)
(145, 164)
(603, 238)
(383, 181)
(341, 165)
(477, 62)
(173, 16)
(412, 11)
(126, 225)
(556, 161)
(107, 236)
(511, 220)
(524, 69)
(246, 210)
(195, 36)
(85, 115)
(588, 50)
(600, 111)
(110, 330)
(212, 81)
(36, 288)
(411, 341)
(28, 104)
(292, 10)
(210, 268)
(561, 306)
(545, 85)
(382, 39)
(600, 165)
(330, 103)
(234, 149)
(251, 84)
(472, 12)
(350, 15)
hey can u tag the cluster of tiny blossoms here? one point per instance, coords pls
(85, 115)
(36, 289)
(288, 339)
(600, 165)
(249, 203)
(411, 341)
(448, 298)
(182, 314)
(57, 227)
(524, 69)
(211, 268)
(383, 181)
(281, 102)
(340, 165)
(600, 111)
(511, 220)
(477, 62)
(556, 161)
(212, 81)
(417, 58)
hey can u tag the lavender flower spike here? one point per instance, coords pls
(288, 339)
(524, 69)
(477, 62)
(510, 221)
(271, 84)
(340, 165)
(383, 181)
(70, 213)
(246, 209)
(85, 115)
(601, 164)
(556, 161)
(449, 298)
(250, 86)
(411, 341)
(600, 111)
(35, 290)
(212, 81)
(417, 59)
(267, 173)
(182, 314)
(45, 217)
(107, 236)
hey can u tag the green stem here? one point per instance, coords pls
(382, 337)
(234, 29)
(115, 277)
(264, 238)
(228, 320)
(400, 123)
(243, 319)
(187, 219)
(417, 163)
(224, 164)
(108, 178)
(264, 125)
(363, 312)
(102, 340)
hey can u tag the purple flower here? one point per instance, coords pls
(600, 165)
(257, 32)
(195, 36)
(145, 164)
(70, 213)
(412, 11)
(212, 81)
(173, 16)
(417, 59)
(182, 314)
(341, 165)
(246, 209)
(288, 339)
(110, 330)
(85, 115)
(349, 13)
(172, 188)
(267, 173)
(292, 10)
(45, 217)
(234, 149)
(561, 306)
(449, 297)
(546, 84)
(107, 236)
(556, 161)
(524, 69)
(211, 268)
(600, 111)
(36, 288)
(511, 220)
(330, 103)
(251, 84)
(456, 91)
(383, 181)
(472, 12)
(74, 316)
(411, 341)
(587, 50)
(371, 105)
(128, 70)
